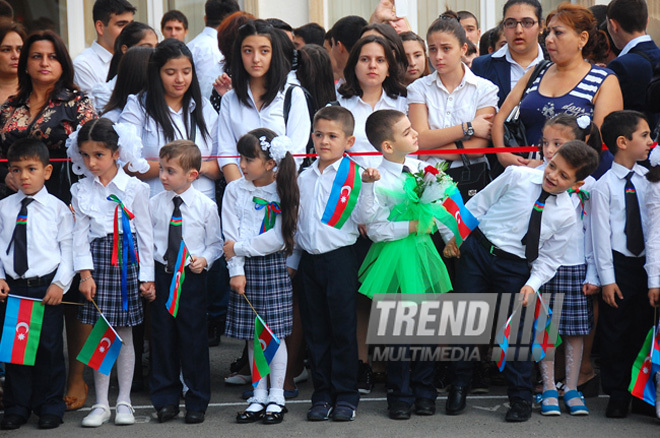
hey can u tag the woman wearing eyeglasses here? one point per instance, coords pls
(569, 84)
(522, 24)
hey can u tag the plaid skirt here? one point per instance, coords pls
(577, 312)
(108, 289)
(269, 290)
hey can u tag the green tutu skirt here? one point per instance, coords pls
(408, 265)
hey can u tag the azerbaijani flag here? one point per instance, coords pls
(344, 194)
(101, 348)
(265, 347)
(539, 350)
(21, 330)
(465, 220)
(504, 345)
(642, 384)
(172, 303)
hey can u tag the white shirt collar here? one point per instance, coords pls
(383, 98)
(468, 78)
(391, 166)
(101, 52)
(335, 166)
(120, 180)
(505, 52)
(188, 196)
(633, 42)
(40, 196)
(621, 171)
(210, 31)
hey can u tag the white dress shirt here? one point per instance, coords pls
(200, 225)
(95, 218)
(102, 92)
(633, 42)
(241, 222)
(608, 206)
(313, 236)
(450, 109)
(503, 209)
(236, 119)
(153, 138)
(517, 70)
(652, 265)
(49, 232)
(361, 110)
(379, 228)
(91, 67)
(207, 58)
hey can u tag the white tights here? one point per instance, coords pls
(125, 368)
(277, 375)
(573, 347)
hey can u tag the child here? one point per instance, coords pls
(48, 264)
(99, 202)
(180, 343)
(401, 247)
(329, 271)
(515, 249)
(618, 226)
(652, 265)
(576, 278)
(258, 221)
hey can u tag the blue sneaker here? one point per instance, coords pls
(319, 412)
(344, 412)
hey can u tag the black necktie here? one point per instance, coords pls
(531, 239)
(406, 169)
(633, 230)
(175, 234)
(19, 238)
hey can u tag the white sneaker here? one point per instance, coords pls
(125, 418)
(99, 415)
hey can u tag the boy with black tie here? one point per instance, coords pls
(182, 212)
(35, 262)
(525, 217)
(618, 225)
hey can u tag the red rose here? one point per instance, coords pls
(432, 170)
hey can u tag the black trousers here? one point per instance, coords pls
(38, 388)
(327, 308)
(180, 344)
(623, 330)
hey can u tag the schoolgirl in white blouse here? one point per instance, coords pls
(259, 78)
(172, 108)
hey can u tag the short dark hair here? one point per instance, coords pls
(218, 10)
(174, 15)
(617, 124)
(6, 11)
(28, 148)
(66, 79)
(347, 30)
(337, 114)
(462, 15)
(189, 155)
(103, 9)
(580, 156)
(311, 33)
(632, 15)
(379, 126)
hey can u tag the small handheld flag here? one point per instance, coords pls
(504, 340)
(21, 331)
(124, 252)
(642, 384)
(343, 195)
(102, 347)
(179, 276)
(265, 347)
(465, 220)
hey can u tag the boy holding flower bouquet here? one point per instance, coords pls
(403, 258)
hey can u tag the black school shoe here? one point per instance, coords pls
(12, 422)
(400, 410)
(519, 411)
(424, 407)
(49, 421)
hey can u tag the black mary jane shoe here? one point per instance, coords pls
(246, 417)
(275, 417)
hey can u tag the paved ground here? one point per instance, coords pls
(484, 417)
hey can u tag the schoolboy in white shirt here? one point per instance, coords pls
(35, 262)
(182, 212)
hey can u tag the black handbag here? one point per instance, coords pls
(471, 177)
(514, 130)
